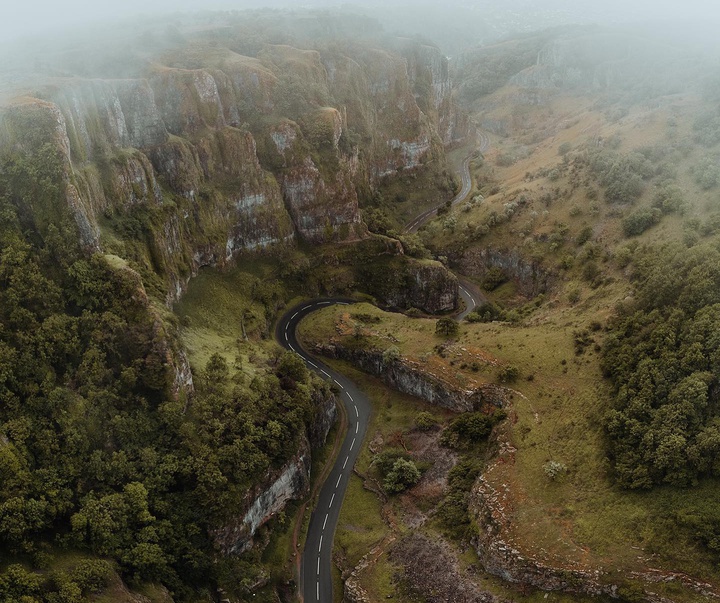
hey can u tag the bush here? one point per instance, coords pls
(669, 199)
(470, 428)
(494, 277)
(403, 474)
(564, 148)
(584, 236)
(486, 312)
(641, 220)
(554, 469)
(424, 421)
(508, 374)
(391, 355)
(453, 509)
(447, 327)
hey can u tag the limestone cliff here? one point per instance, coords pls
(403, 282)
(410, 378)
(529, 276)
(206, 152)
(290, 482)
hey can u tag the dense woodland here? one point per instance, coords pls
(663, 355)
(100, 459)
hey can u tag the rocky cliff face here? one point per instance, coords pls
(290, 482)
(209, 152)
(502, 559)
(409, 378)
(403, 282)
(529, 276)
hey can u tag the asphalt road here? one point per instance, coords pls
(419, 221)
(316, 578)
(471, 295)
(316, 574)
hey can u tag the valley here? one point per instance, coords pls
(296, 308)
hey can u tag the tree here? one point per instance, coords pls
(447, 327)
(404, 474)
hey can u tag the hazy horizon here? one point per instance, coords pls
(42, 17)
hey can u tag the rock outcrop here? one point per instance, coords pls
(503, 560)
(402, 282)
(408, 377)
(530, 277)
(290, 482)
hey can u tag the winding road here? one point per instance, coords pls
(316, 571)
(419, 221)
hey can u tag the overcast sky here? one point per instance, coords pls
(22, 17)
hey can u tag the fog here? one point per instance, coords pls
(40, 17)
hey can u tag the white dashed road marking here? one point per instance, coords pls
(332, 500)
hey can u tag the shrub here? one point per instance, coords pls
(584, 236)
(486, 312)
(494, 277)
(424, 421)
(470, 428)
(554, 469)
(641, 220)
(403, 474)
(391, 355)
(564, 148)
(669, 199)
(508, 374)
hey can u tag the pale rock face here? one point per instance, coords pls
(412, 153)
(292, 483)
(89, 232)
(412, 378)
(144, 123)
(284, 137)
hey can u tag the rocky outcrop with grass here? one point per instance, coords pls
(402, 282)
(530, 276)
(411, 378)
(290, 482)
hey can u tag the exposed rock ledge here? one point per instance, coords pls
(410, 378)
(290, 482)
(499, 557)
